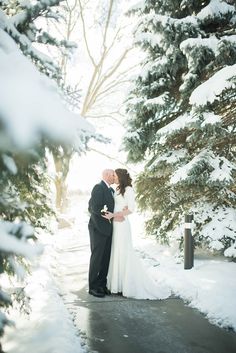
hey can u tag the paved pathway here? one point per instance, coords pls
(118, 325)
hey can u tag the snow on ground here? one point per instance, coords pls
(210, 286)
(49, 327)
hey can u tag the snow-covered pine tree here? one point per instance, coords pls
(32, 118)
(26, 28)
(182, 119)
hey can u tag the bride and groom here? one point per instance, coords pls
(114, 266)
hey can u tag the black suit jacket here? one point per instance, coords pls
(101, 195)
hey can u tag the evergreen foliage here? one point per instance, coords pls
(182, 119)
(25, 204)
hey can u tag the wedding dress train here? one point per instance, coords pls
(126, 273)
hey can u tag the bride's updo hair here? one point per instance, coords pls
(124, 180)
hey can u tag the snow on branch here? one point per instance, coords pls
(161, 21)
(31, 105)
(139, 5)
(178, 124)
(31, 12)
(4, 321)
(222, 219)
(9, 243)
(147, 37)
(223, 169)
(219, 168)
(23, 30)
(216, 8)
(210, 119)
(209, 90)
(190, 43)
(26, 44)
(170, 157)
(213, 43)
(160, 100)
(9, 163)
(46, 38)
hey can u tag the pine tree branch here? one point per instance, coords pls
(30, 13)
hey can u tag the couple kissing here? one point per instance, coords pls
(114, 265)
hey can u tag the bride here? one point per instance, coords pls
(126, 273)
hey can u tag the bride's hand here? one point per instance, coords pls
(118, 218)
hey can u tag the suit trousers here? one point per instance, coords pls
(100, 257)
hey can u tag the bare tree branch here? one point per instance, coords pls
(107, 25)
(112, 158)
(93, 95)
(85, 35)
(110, 88)
(110, 116)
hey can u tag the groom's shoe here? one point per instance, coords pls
(96, 293)
(105, 290)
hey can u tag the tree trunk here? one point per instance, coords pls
(61, 192)
(62, 159)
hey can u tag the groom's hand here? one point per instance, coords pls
(108, 215)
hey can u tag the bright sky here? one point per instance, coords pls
(85, 171)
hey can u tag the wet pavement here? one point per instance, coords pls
(119, 325)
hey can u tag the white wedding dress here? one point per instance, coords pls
(126, 273)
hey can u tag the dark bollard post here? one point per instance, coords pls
(188, 242)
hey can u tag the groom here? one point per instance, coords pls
(100, 231)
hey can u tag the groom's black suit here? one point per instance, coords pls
(100, 231)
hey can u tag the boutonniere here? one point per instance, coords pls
(104, 210)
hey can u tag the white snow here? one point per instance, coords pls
(177, 124)
(160, 100)
(215, 8)
(209, 90)
(9, 163)
(9, 243)
(231, 251)
(152, 67)
(166, 20)
(211, 42)
(171, 157)
(49, 328)
(223, 219)
(210, 118)
(30, 104)
(222, 168)
(138, 5)
(209, 286)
